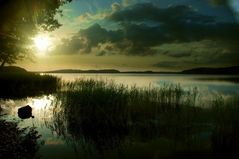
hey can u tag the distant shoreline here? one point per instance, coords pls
(100, 72)
(234, 70)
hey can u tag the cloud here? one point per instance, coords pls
(195, 49)
(115, 7)
(70, 46)
(147, 26)
(150, 12)
(91, 18)
(202, 53)
(222, 59)
(126, 3)
(145, 29)
(177, 54)
(234, 4)
(170, 64)
(103, 49)
(219, 2)
(90, 39)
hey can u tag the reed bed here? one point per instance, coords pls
(15, 85)
(104, 114)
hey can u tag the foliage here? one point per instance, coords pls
(16, 143)
(20, 20)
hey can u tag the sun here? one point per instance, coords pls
(42, 43)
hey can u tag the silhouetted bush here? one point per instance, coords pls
(16, 143)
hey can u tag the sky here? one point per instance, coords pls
(158, 35)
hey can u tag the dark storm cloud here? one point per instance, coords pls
(203, 53)
(149, 12)
(168, 64)
(147, 25)
(219, 2)
(89, 38)
(143, 27)
(177, 54)
(96, 34)
(220, 60)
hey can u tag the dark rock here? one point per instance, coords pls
(25, 112)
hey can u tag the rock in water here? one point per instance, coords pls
(25, 112)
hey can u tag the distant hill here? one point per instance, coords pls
(12, 69)
(104, 71)
(234, 70)
(84, 71)
(204, 70)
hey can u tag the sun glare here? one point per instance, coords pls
(42, 103)
(42, 43)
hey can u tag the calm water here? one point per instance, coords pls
(205, 83)
(57, 147)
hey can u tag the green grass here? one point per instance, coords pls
(24, 84)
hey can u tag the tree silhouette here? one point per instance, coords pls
(20, 20)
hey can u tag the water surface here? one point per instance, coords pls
(225, 84)
(56, 146)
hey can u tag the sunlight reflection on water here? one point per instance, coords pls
(41, 103)
(41, 109)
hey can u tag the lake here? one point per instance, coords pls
(225, 84)
(56, 146)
